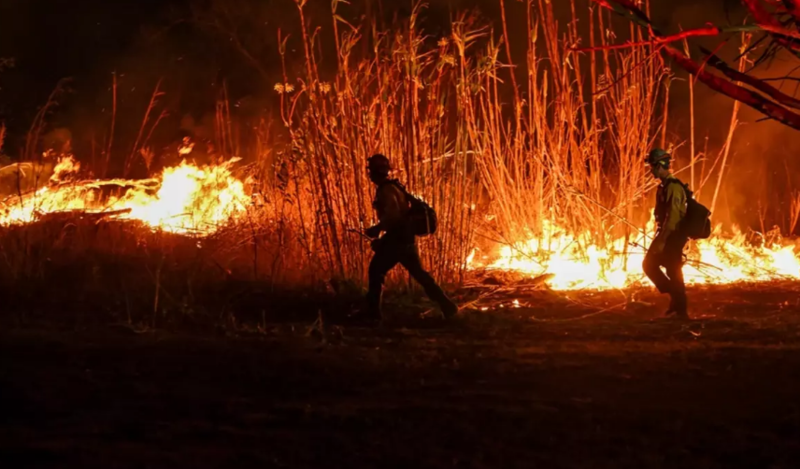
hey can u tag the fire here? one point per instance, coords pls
(190, 199)
(183, 199)
(65, 168)
(572, 264)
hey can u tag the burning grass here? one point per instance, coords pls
(542, 179)
(722, 259)
(95, 254)
(183, 199)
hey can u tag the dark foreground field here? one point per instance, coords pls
(538, 386)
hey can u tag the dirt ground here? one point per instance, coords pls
(563, 381)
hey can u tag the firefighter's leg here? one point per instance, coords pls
(673, 261)
(385, 258)
(411, 261)
(652, 268)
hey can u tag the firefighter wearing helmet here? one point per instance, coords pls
(398, 243)
(666, 250)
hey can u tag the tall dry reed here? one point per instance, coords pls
(498, 163)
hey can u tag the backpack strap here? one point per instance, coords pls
(399, 185)
(686, 190)
(409, 198)
(394, 182)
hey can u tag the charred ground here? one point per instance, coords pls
(557, 383)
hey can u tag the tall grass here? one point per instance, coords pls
(496, 162)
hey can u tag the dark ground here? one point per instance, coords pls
(495, 389)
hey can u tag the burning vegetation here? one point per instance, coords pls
(250, 234)
(539, 177)
(185, 199)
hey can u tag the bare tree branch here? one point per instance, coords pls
(709, 30)
(756, 83)
(744, 95)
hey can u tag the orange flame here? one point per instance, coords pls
(573, 264)
(190, 199)
(183, 199)
(66, 168)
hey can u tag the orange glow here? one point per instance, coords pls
(198, 200)
(183, 199)
(574, 265)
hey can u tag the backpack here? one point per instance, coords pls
(421, 216)
(696, 224)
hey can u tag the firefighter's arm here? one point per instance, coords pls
(389, 211)
(373, 231)
(676, 203)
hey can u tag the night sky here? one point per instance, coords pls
(147, 40)
(83, 41)
(144, 41)
(86, 40)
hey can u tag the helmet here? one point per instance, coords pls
(379, 164)
(659, 156)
